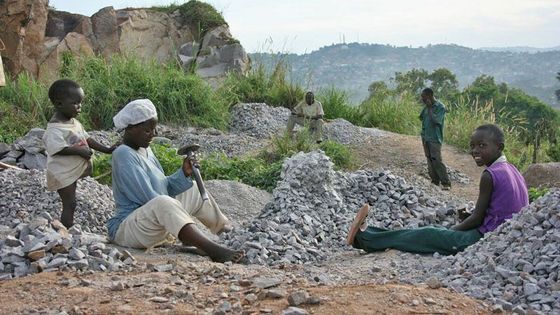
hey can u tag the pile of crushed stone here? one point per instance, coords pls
(343, 131)
(515, 266)
(212, 141)
(24, 196)
(44, 244)
(312, 207)
(258, 120)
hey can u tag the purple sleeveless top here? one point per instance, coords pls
(509, 195)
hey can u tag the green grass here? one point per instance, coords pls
(336, 104)
(259, 86)
(394, 113)
(167, 156)
(179, 97)
(536, 193)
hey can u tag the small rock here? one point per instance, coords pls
(294, 311)
(275, 293)
(159, 299)
(118, 286)
(434, 283)
(298, 298)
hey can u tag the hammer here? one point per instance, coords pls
(189, 150)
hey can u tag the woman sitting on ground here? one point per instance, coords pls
(503, 192)
(150, 205)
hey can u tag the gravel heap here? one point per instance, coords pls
(213, 141)
(44, 244)
(239, 202)
(345, 132)
(24, 196)
(258, 120)
(517, 265)
(312, 207)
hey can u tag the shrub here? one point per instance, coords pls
(201, 16)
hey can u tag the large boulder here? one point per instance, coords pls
(151, 34)
(219, 53)
(36, 36)
(543, 175)
(22, 25)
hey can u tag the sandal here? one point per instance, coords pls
(358, 221)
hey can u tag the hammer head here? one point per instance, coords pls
(188, 148)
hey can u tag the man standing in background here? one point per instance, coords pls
(433, 117)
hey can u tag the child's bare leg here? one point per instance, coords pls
(68, 196)
(189, 234)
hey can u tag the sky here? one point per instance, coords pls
(302, 26)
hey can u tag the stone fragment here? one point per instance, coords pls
(297, 298)
(294, 311)
(36, 255)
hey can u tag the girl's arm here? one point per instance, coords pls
(80, 150)
(99, 147)
(477, 217)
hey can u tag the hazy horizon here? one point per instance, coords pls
(305, 26)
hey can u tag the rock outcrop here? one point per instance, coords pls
(37, 36)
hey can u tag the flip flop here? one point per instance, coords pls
(358, 221)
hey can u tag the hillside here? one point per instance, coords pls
(354, 66)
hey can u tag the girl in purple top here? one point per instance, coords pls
(503, 192)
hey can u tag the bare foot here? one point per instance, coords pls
(226, 229)
(193, 250)
(234, 256)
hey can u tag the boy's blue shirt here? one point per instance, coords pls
(138, 179)
(433, 132)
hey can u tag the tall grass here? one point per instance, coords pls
(394, 113)
(24, 104)
(179, 97)
(463, 118)
(336, 104)
(259, 86)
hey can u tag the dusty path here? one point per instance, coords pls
(348, 283)
(404, 155)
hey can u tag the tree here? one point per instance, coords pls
(378, 88)
(483, 89)
(412, 81)
(444, 83)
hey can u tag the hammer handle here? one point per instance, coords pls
(198, 178)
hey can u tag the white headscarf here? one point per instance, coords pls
(134, 113)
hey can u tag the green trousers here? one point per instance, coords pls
(436, 168)
(422, 240)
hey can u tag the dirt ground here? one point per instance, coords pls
(404, 156)
(348, 283)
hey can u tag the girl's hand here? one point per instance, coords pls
(113, 147)
(86, 152)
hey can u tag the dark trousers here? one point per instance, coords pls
(436, 168)
(425, 240)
